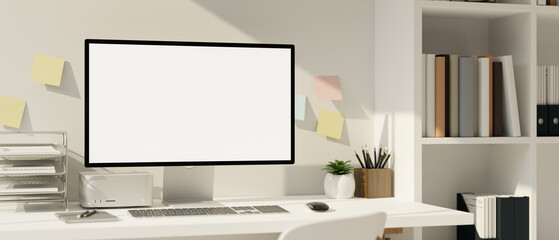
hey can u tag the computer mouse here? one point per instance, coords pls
(318, 206)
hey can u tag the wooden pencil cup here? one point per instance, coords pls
(373, 183)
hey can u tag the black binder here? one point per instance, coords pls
(543, 120)
(505, 218)
(553, 120)
(521, 218)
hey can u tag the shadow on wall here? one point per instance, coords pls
(310, 123)
(327, 41)
(75, 166)
(304, 180)
(384, 133)
(68, 84)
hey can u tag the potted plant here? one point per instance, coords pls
(339, 182)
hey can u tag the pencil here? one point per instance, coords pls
(364, 157)
(369, 158)
(375, 156)
(386, 160)
(379, 153)
(361, 163)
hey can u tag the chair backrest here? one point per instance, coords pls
(363, 227)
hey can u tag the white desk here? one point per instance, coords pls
(44, 225)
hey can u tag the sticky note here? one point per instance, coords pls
(47, 70)
(300, 104)
(11, 111)
(330, 124)
(328, 87)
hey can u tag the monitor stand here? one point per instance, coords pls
(189, 187)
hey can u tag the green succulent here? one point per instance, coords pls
(339, 167)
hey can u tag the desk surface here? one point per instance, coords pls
(44, 225)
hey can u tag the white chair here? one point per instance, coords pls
(363, 227)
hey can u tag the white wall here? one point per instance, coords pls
(331, 38)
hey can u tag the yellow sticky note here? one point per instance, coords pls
(330, 124)
(47, 70)
(11, 111)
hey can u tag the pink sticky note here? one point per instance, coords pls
(328, 87)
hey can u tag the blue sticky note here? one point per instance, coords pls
(300, 104)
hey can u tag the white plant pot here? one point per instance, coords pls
(339, 186)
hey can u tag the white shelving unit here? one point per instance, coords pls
(33, 167)
(433, 170)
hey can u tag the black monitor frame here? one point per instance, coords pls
(176, 43)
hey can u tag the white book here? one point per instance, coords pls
(424, 103)
(539, 71)
(511, 125)
(480, 216)
(556, 84)
(493, 216)
(548, 87)
(540, 82)
(551, 85)
(483, 94)
(487, 209)
(476, 98)
(542, 85)
(551, 76)
(430, 94)
(470, 200)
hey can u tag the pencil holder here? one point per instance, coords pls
(373, 183)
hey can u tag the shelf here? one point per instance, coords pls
(472, 9)
(476, 140)
(547, 140)
(551, 12)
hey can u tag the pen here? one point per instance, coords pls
(357, 155)
(87, 214)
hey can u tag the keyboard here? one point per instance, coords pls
(167, 212)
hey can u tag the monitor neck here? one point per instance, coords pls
(185, 185)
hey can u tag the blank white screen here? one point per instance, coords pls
(162, 103)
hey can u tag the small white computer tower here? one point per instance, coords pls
(104, 190)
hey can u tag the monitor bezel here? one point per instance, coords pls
(87, 43)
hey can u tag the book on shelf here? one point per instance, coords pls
(498, 99)
(429, 113)
(453, 95)
(548, 101)
(470, 96)
(485, 87)
(466, 96)
(547, 2)
(441, 95)
(511, 125)
(423, 90)
(502, 217)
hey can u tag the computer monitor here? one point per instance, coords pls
(164, 103)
